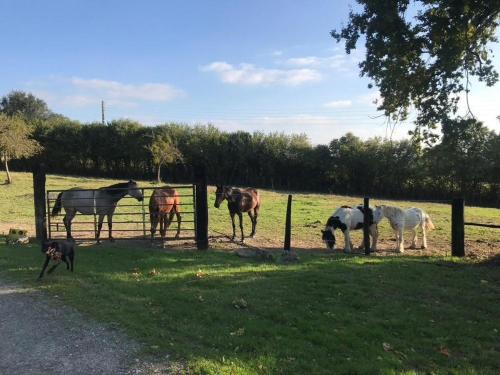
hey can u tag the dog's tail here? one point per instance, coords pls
(57, 206)
(429, 225)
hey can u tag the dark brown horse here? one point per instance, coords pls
(163, 205)
(238, 201)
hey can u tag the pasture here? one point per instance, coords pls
(216, 313)
(309, 215)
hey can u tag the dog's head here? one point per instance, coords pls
(50, 245)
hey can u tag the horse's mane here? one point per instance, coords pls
(120, 185)
(392, 210)
(116, 190)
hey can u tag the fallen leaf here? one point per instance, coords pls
(153, 272)
(444, 351)
(238, 332)
(240, 303)
(201, 274)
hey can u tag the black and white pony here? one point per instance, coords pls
(346, 219)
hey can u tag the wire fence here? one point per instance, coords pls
(130, 219)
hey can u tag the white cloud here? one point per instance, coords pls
(338, 104)
(248, 74)
(62, 92)
(304, 61)
(339, 62)
(149, 92)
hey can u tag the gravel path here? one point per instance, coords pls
(38, 335)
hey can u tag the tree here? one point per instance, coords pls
(423, 58)
(15, 141)
(26, 105)
(163, 152)
(463, 154)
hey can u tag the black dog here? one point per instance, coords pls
(58, 251)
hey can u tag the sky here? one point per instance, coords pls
(262, 65)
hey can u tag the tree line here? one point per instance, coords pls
(465, 162)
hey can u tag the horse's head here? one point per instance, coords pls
(378, 213)
(328, 238)
(134, 191)
(221, 193)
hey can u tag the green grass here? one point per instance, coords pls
(309, 214)
(330, 313)
(327, 314)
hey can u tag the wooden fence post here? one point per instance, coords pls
(457, 228)
(288, 224)
(201, 208)
(39, 179)
(366, 225)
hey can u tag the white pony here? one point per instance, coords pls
(402, 220)
(347, 218)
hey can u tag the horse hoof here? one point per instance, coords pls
(423, 247)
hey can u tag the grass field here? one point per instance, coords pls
(310, 212)
(329, 313)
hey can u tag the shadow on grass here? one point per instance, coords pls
(330, 313)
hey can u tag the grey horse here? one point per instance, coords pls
(101, 202)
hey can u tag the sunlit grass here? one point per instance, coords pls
(327, 314)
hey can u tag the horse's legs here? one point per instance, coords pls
(400, 241)
(179, 220)
(232, 222)
(70, 214)
(99, 227)
(240, 215)
(347, 241)
(252, 219)
(424, 237)
(153, 217)
(110, 227)
(374, 234)
(163, 228)
(255, 215)
(414, 239)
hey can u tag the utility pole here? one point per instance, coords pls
(102, 112)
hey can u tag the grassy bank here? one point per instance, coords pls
(328, 314)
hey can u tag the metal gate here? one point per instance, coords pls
(130, 219)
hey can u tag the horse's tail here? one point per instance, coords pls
(58, 205)
(429, 225)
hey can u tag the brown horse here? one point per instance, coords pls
(163, 205)
(238, 201)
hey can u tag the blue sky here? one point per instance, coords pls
(259, 65)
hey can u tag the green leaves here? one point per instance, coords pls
(423, 58)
